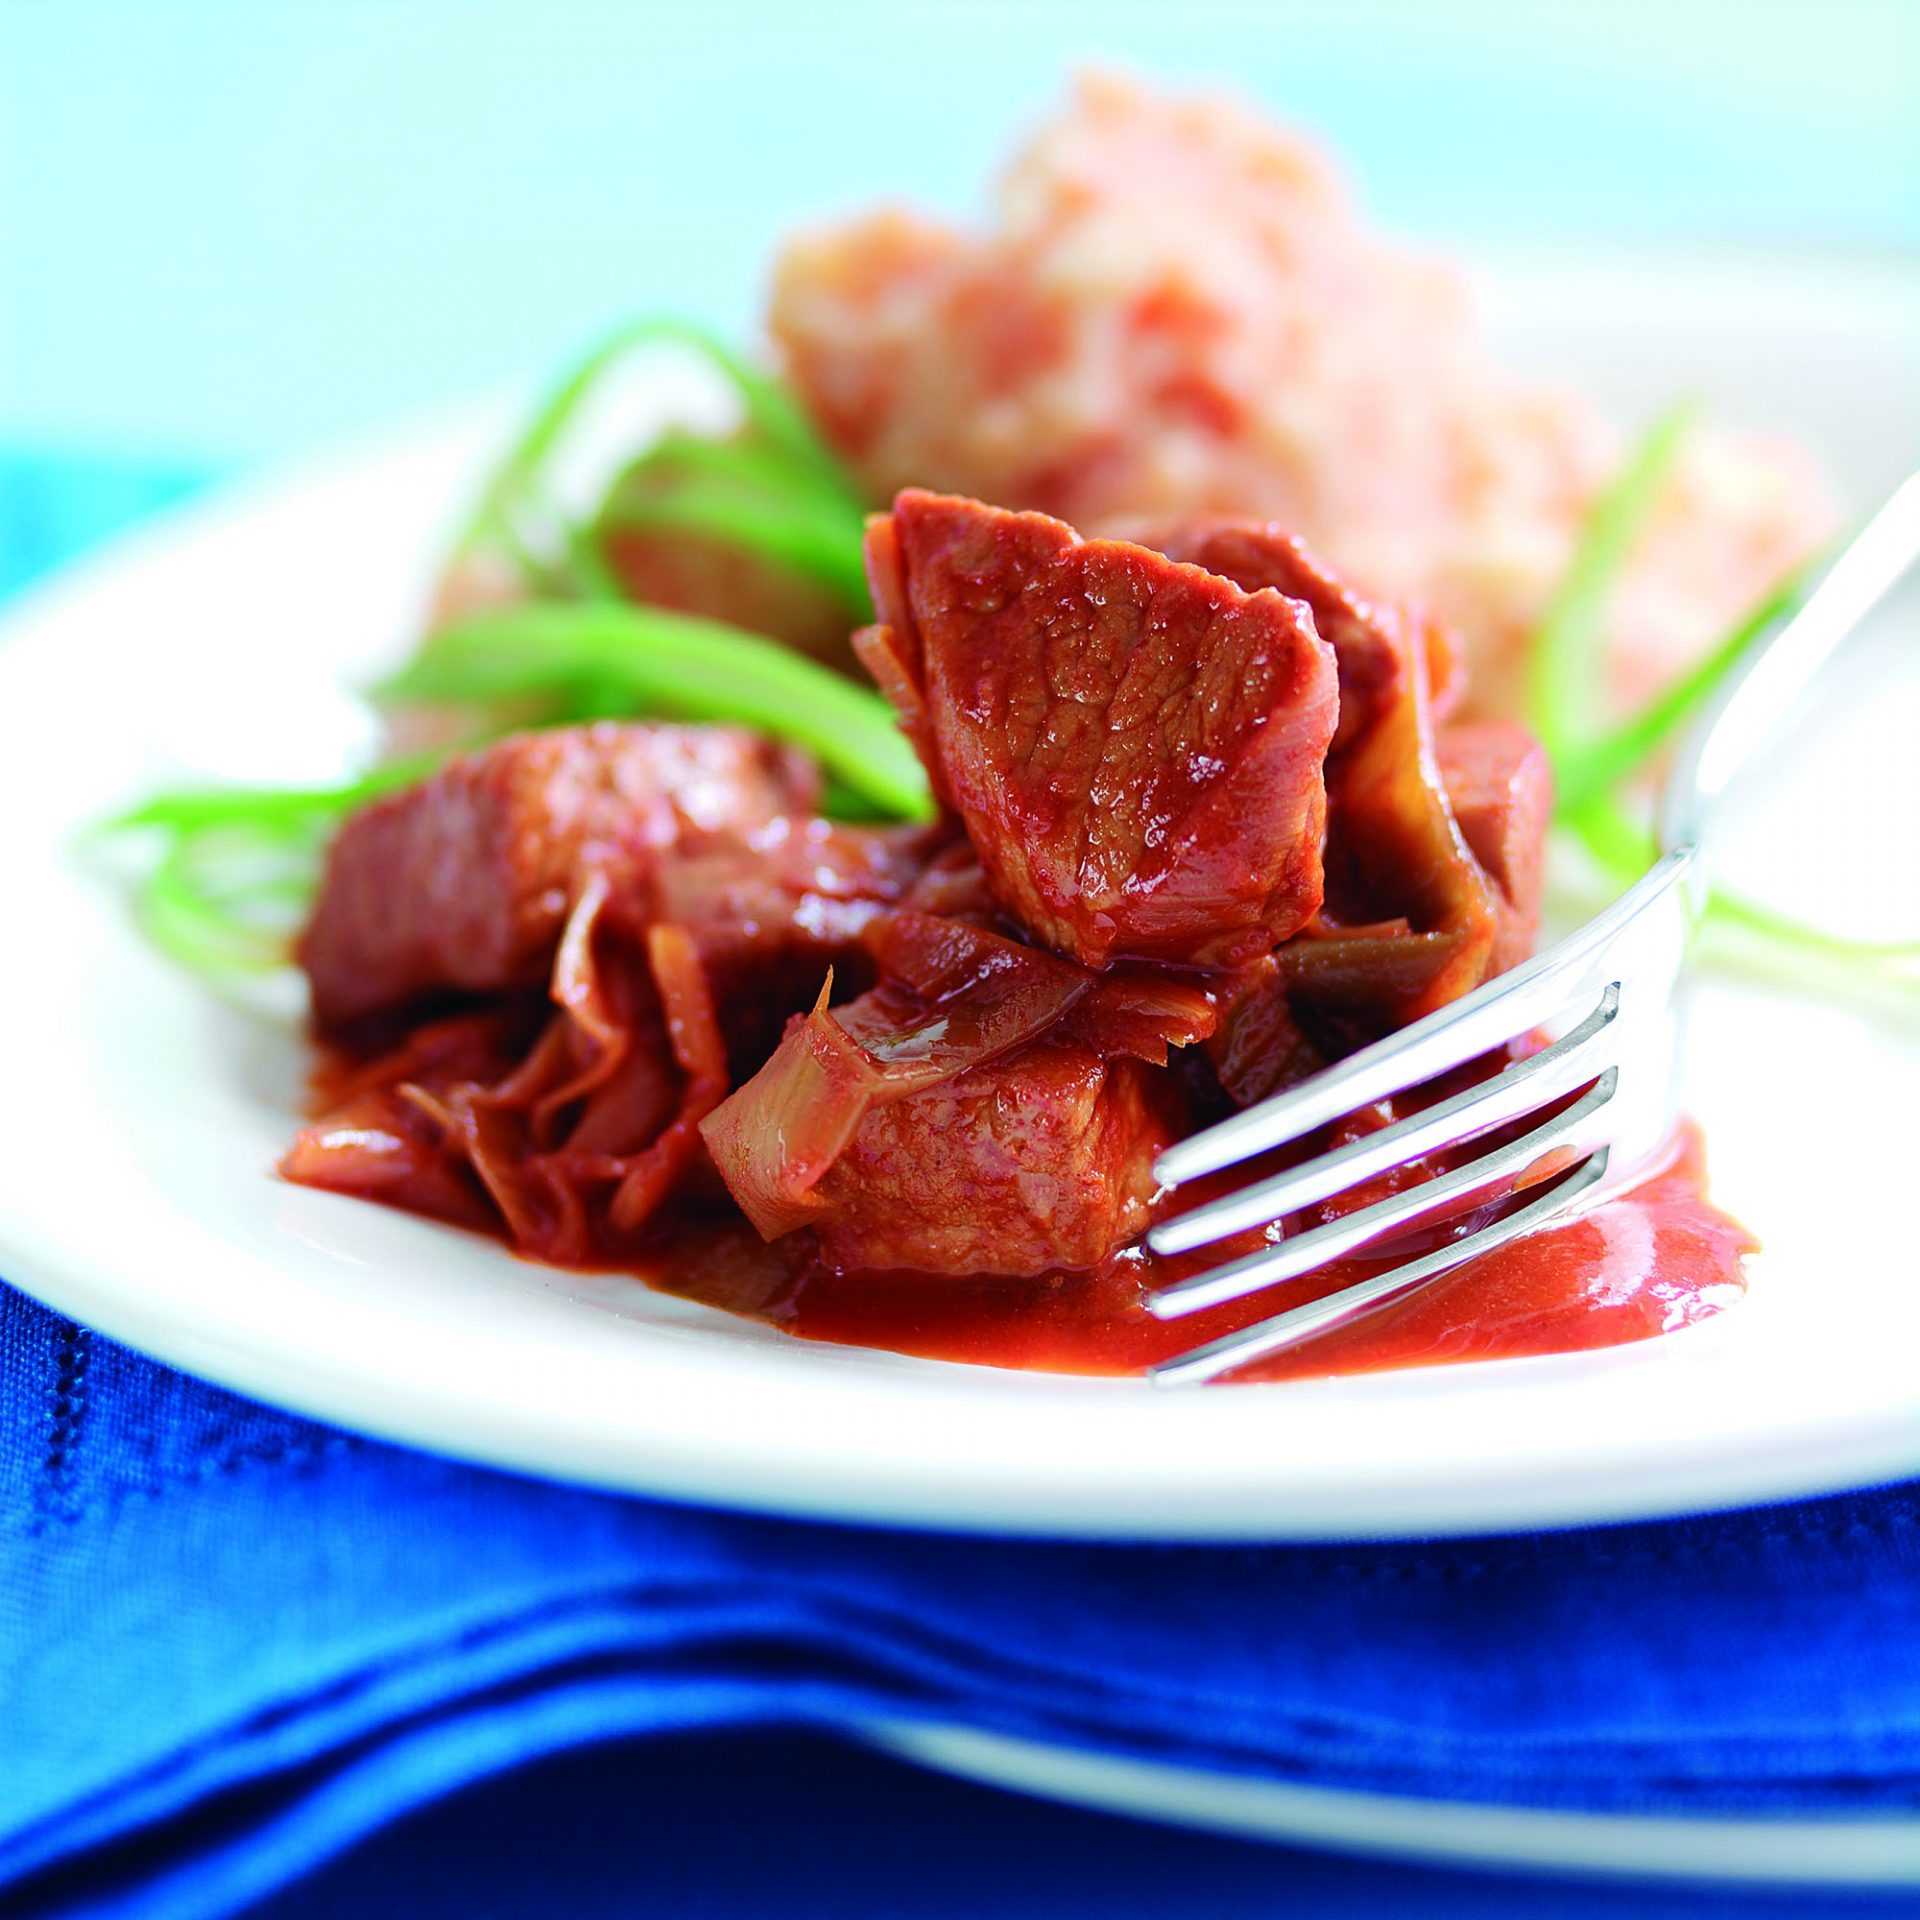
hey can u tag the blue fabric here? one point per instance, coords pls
(233, 1641)
(740, 1827)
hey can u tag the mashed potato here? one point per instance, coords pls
(1178, 312)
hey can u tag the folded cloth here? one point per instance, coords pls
(232, 1641)
(742, 1826)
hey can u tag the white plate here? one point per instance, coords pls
(142, 1119)
(1868, 1850)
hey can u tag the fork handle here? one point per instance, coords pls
(1758, 699)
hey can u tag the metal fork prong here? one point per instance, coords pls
(1579, 1055)
(1429, 1202)
(1297, 1324)
(1506, 1007)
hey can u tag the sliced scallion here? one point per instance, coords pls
(673, 665)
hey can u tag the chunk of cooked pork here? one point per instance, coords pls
(464, 881)
(985, 1109)
(1134, 746)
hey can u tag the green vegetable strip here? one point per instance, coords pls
(749, 462)
(211, 927)
(674, 664)
(775, 414)
(1618, 843)
(771, 413)
(493, 517)
(789, 532)
(749, 495)
(1584, 773)
(1567, 688)
(192, 810)
(1624, 850)
(1588, 770)
(1747, 914)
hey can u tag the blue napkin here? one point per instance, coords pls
(743, 1826)
(232, 1641)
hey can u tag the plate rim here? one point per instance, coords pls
(1864, 1850)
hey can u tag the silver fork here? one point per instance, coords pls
(1608, 992)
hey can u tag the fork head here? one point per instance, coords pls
(1569, 1124)
(1560, 1128)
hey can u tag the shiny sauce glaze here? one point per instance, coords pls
(1656, 1257)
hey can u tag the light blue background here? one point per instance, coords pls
(232, 227)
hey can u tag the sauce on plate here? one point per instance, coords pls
(1656, 1257)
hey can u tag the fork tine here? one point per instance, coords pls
(1430, 1200)
(1508, 1095)
(1297, 1324)
(1511, 1004)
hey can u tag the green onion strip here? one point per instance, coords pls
(1592, 764)
(675, 665)
(779, 492)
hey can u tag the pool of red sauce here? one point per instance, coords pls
(1656, 1257)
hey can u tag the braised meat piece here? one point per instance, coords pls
(1133, 746)
(967, 1115)
(1369, 641)
(772, 913)
(566, 1129)
(1500, 785)
(1037, 1162)
(650, 879)
(951, 997)
(464, 881)
(1435, 840)
(1400, 875)
(1196, 840)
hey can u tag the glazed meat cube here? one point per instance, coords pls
(1369, 641)
(1040, 1160)
(464, 881)
(951, 997)
(1500, 785)
(1133, 746)
(1397, 862)
(773, 913)
(961, 1117)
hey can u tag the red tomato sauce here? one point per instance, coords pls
(1656, 1257)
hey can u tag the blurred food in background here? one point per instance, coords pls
(1179, 311)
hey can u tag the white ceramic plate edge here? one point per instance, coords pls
(1867, 1851)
